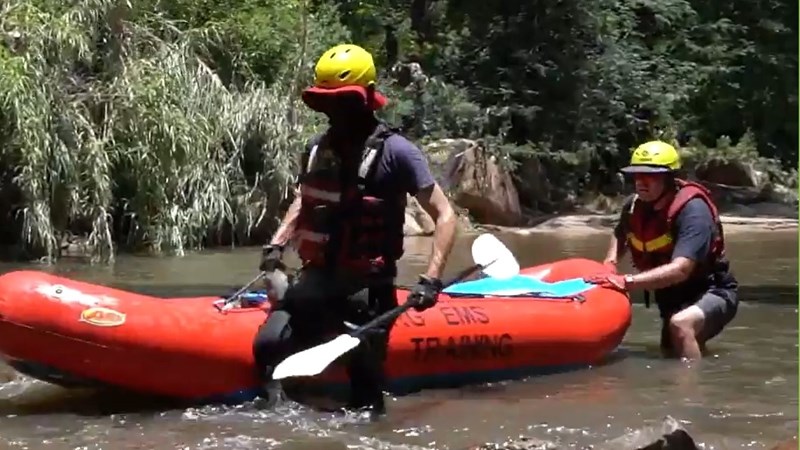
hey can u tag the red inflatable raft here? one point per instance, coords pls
(73, 333)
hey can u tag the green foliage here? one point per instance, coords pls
(746, 149)
(159, 124)
(120, 129)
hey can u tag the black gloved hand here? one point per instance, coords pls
(271, 255)
(425, 293)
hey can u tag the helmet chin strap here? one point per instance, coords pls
(370, 100)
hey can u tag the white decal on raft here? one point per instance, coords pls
(539, 275)
(71, 296)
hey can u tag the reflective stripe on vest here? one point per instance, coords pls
(331, 196)
(652, 245)
(319, 194)
(363, 245)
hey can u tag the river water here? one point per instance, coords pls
(745, 396)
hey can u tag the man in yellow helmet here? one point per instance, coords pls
(346, 224)
(672, 229)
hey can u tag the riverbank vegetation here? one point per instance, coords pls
(171, 125)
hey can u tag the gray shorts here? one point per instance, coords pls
(719, 307)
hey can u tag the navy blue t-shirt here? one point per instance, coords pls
(694, 231)
(402, 168)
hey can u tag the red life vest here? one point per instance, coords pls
(649, 236)
(339, 225)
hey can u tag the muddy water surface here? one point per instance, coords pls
(743, 397)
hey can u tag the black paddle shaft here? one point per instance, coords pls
(395, 312)
(241, 291)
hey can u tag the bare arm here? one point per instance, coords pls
(617, 245)
(436, 204)
(616, 250)
(677, 271)
(286, 229)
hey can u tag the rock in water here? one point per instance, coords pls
(790, 444)
(669, 436)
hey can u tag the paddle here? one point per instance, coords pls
(228, 303)
(490, 256)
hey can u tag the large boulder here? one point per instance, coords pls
(739, 182)
(475, 181)
(730, 172)
(419, 223)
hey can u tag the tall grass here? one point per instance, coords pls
(119, 128)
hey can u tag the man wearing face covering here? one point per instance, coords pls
(346, 223)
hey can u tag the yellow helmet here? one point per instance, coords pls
(341, 70)
(654, 157)
(345, 65)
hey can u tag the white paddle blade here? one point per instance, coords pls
(497, 259)
(314, 360)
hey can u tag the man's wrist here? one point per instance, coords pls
(433, 274)
(630, 281)
(431, 280)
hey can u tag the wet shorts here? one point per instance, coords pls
(719, 307)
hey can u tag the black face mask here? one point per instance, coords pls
(347, 112)
(349, 119)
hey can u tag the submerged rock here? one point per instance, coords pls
(790, 444)
(669, 435)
